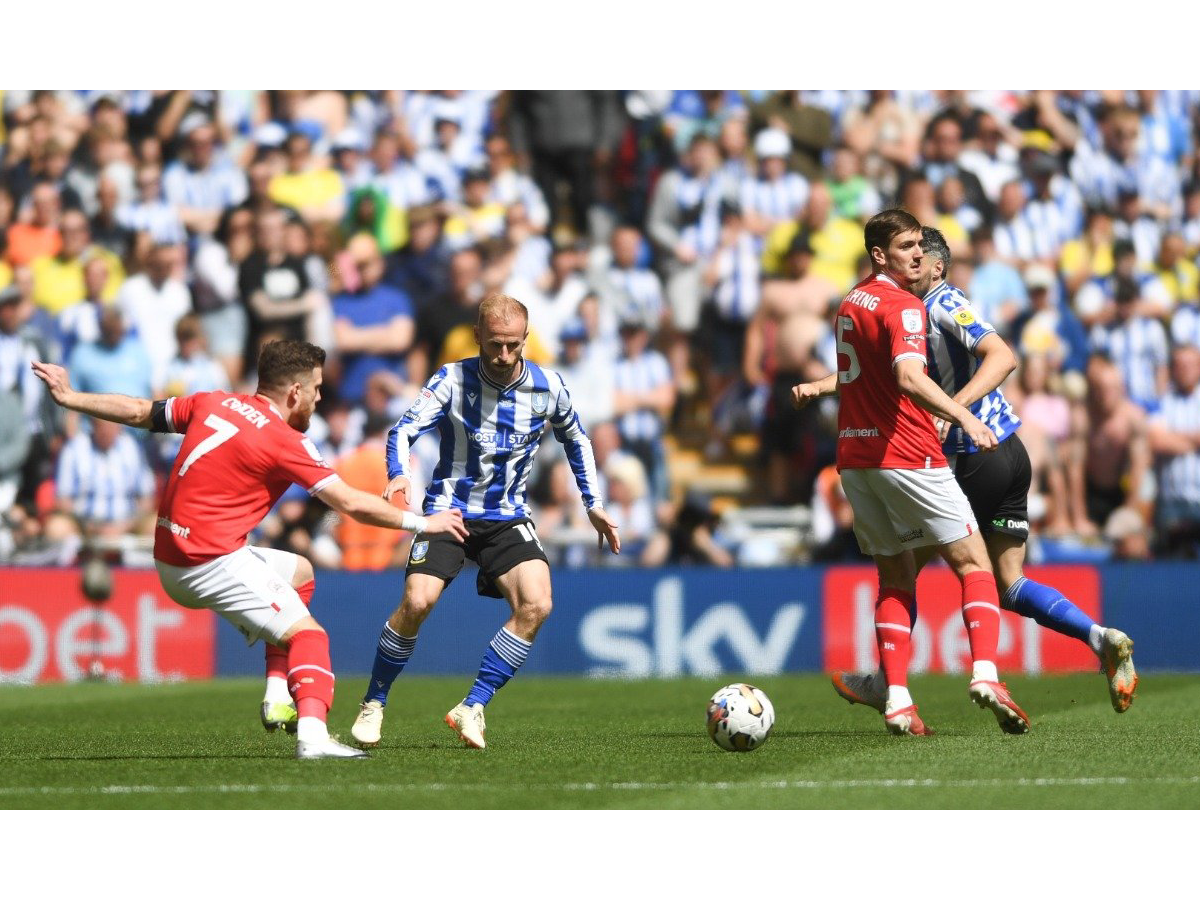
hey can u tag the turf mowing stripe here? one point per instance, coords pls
(617, 786)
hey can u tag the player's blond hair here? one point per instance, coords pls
(501, 307)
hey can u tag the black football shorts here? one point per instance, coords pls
(495, 545)
(997, 487)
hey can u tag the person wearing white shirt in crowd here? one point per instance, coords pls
(509, 186)
(404, 184)
(1132, 224)
(349, 158)
(1175, 440)
(152, 302)
(994, 160)
(202, 184)
(776, 195)
(151, 212)
(625, 284)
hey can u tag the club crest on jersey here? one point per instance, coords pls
(964, 316)
(540, 401)
(911, 318)
(419, 551)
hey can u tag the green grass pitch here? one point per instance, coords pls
(576, 743)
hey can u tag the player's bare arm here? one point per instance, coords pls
(113, 407)
(606, 528)
(372, 510)
(925, 392)
(803, 394)
(996, 363)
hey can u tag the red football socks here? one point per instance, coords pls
(981, 615)
(893, 633)
(310, 674)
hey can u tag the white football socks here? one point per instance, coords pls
(984, 671)
(1096, 638)
(277, 690)
(310, 729)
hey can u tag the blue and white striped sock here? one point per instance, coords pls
(504, 656)
(390, 656)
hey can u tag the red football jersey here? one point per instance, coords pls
(237, 459)
(877, 325)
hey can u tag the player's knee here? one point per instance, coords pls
(537, 609)
(415, 607)
(304, 572)
(306, 624)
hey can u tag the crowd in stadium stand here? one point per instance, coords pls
(679, 252)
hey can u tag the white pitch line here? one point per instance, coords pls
(839, 784)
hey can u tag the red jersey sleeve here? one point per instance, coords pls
(301, 462)
(904, 326)
(179, 411)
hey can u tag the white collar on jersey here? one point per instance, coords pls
(512, 384)
(883, 276)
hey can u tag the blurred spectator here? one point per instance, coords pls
(589, 374)
(477, 218)
(919, 199)
(367, 547)
(1127, 533)
(775, 195)
(373, 321)
(645, 396)
(17, 350)
(81, 321)
(509, 186)
(952, 201)
(402, 182)
(692, 537)
(193, 370)
(1175, 441)
(854, 197)
(837, 243)
(107, 230)
(1047, 327)
(38, 235)
(996, 287)
(1137, 344)
(809, 127)
(1091, 255)
(349, 158)
(1133, 225)
(153, 301)
(274, 285)
(626, 284)
(419, 267)
(15, 441)
(201, 185)
(58, 281)
(1096, 301)
(1054, 210)
(456, 308)
(631, 507)
(1017, 240)
(942, 148)
(1046, 430)
(215, 295)
(116, 363)
(104, 480)
(569, 138)
(151, 212)
(700, 112)
(1177, 273)
(1118, 456)
(307, 184)
(993, 159)
(1185, 325)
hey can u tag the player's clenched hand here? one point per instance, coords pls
(449, 521)
(605, 528)
(803, 394)
(399, 483)
(56, 379)
(983, 437)
(943, 427)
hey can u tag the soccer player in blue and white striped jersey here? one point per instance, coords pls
(969, 360)
(490, 413)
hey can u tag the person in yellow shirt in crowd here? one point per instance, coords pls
(836, 242)
(58, 279)
(313, 190)
(1090, 255)
(1177, 273)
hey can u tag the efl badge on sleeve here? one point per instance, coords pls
(964, 316)
(540, 401)
(420, 550)
(912, 320)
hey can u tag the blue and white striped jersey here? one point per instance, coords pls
(158, 217)
(635, 374)
(217, 187)
(103, 485)
(775, 200)
(489, 435)
(1139, 348)
(1185, 325)
(953, 332)
(1179, 476)
(736, 293)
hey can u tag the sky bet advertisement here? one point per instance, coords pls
(607, 623)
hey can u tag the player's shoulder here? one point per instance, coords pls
(542, 378)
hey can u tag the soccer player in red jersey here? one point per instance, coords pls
(240, 453)
(895, 475)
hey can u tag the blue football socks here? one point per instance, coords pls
(1048, 608)
(392, 653)
(504, 656)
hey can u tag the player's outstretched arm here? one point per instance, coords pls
(803, 394)
(113, 407)
(925, 392)
(372, 510)
(605, 528)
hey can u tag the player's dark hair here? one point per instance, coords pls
(884, 226)
(281, 363)
(933, 243)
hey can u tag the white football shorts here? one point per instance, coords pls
(250, 587)
(902, 509)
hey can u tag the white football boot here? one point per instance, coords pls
(468, 722)
(1116, 652)
(368, 726)
(330, 748)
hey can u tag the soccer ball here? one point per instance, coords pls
(740, 717)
